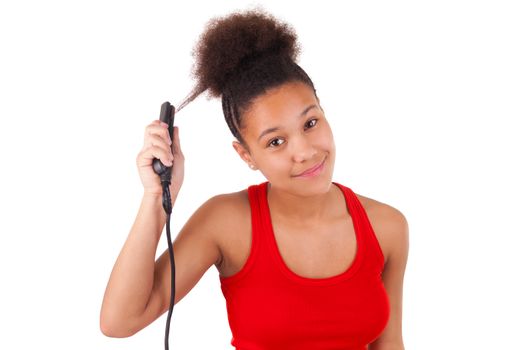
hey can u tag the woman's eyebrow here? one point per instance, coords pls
(269, 130)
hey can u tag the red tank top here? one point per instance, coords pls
(271, 308)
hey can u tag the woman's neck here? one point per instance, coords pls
(300, 210)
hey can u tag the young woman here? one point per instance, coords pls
(304, 262)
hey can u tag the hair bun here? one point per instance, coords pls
(230, 41)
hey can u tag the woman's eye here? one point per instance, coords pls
(311, 120)
(309, 124)
(272, 143)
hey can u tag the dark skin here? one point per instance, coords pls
(314, 203)
(301, 142)
(312, 227)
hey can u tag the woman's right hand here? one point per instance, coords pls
(157, 145)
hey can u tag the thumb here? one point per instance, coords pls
(175, 145)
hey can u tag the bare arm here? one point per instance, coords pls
(132, 277)
(395, 230)
(138, 291)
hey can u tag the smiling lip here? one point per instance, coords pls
(312, 170)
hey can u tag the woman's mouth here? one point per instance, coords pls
(313, 171)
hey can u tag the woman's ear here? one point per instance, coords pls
(242, 152)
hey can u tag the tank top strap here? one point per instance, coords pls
(254, 194)
(261, 221)
(257, 234)
(373, 249)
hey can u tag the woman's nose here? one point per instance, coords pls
(303, 149)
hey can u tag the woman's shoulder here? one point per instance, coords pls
(230, 200)
(388, 222)
(375, 207)
(380, 210)
(226, 209)
(229, 216)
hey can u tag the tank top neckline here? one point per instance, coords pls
(358, 256)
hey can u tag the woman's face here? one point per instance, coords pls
(287, 134)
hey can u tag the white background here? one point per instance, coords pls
(425, 101)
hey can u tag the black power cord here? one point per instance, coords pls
(166, 203)
(167, 114)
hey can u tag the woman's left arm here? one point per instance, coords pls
(394, 229)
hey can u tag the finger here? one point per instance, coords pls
(159, 122)
(157, 125)
(176, 141)
(156, 140)
(158, 152)
(156, 122)
(157, 130)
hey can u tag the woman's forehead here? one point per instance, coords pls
(280, 104)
